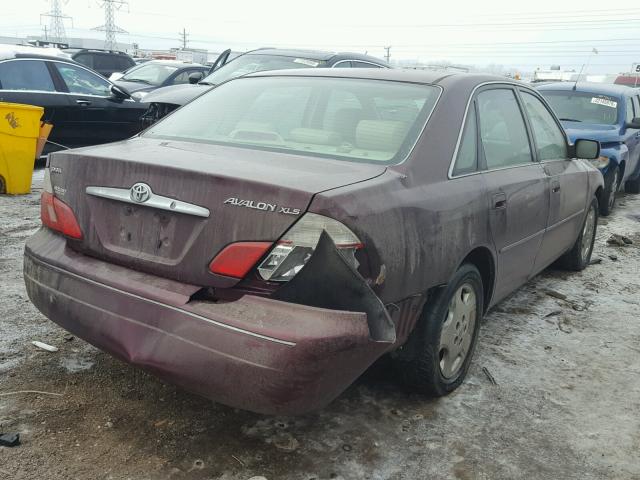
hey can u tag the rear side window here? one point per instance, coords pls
(467, 158)
(502, 129)
(85, 59)
(182, 77)
(25, 75)
(550, 140)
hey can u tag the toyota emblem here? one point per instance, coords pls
(140, 192)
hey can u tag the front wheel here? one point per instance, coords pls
(609, 194)
(437, 354)
(579, 256)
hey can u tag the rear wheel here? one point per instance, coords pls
(632, 186)
(437, 354)
(580, 254)
(611, 181)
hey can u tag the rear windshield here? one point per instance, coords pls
(250, 63)
(583, 107)
(150, 73)
(370, 121)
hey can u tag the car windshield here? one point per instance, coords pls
(371, 121)
(251, 62)
(150, 73)
(583, 106)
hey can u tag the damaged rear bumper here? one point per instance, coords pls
(259, 354)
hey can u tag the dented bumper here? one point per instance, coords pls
(259, 354)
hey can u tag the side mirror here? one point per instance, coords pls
(119, 93)
(586, 149)
(635, 123)
(195, 77)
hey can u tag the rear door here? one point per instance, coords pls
(516, 186)
(632, 136)
(566, 177)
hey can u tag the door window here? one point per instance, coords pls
(630, 115)
(343, 64)
(182, 77)
(25, 75)
(85, 59)
(550, 140)
(502, 129)
(357, 64)
(467, 158)
(81, 81)
(636, 106)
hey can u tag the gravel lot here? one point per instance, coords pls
(564, 351)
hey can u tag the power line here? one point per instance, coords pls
(110, 28)
(56, 22)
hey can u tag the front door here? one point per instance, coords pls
(567, 179)
(517, 187)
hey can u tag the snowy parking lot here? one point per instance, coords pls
(552, 393)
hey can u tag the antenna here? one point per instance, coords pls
(56, 23)
(110, 28)
(594, 50)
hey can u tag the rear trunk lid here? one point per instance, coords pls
(208, 197)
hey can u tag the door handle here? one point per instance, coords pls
(82, 102)
(499, 201)
(555, 186)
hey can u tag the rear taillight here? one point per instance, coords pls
(237, 259)
(293, 250)
(57, 215)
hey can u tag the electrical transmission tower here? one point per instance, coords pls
(56, 31)
(110, 28)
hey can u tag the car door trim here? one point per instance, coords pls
(361, 61)
(565, 220)
(155, 201)
(506, 248)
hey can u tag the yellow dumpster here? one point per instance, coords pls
(19, 132)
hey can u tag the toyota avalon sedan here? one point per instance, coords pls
(266, 243)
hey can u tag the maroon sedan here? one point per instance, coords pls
(267, 242)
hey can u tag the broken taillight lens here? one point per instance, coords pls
(57, 215)
(237, 259)
(293, 250)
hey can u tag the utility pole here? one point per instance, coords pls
(110, 28)
(56, 22)
(183, 38)
(388, 55)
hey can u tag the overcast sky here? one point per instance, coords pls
(523, 35)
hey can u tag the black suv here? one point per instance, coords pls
(105, 62)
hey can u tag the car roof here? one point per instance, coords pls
(590, 87)
(315, 54)
(27, 51)
(398, 75)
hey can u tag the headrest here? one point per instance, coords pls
(385, 135)
(315, 136)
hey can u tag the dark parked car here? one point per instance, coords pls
(105, 62)
(165, 100)
(148, 76)
(266, 243)
(84, 108)
(609, 114)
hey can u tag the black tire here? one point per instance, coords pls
(632, 186)
(578, 258)
(608, 199)
(3, 186)
(418, 360)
